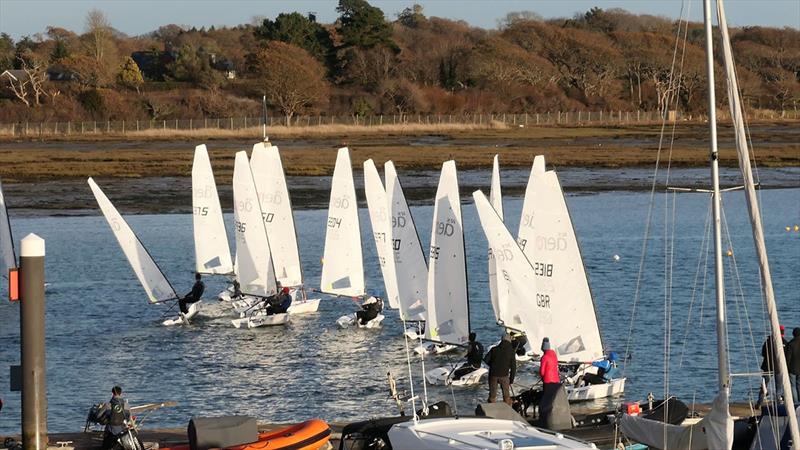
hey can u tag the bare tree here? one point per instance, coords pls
(291, 78)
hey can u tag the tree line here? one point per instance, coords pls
(366, 64)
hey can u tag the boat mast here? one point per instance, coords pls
(755, 218)
(722, 334)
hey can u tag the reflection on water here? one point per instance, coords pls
(101, 332)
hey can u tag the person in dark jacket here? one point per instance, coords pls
(474, 357)
(280, 302)
(794, 363)
(193, 296)
(769, 367)
(502, 369)
(117, 414)
(369, 310)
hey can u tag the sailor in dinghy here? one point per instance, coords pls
(155, 283)
(342, 261)
(255, 269)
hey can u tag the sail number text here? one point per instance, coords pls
(543, 301)
(239, 226)
(542, 269)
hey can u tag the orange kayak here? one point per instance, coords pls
(309, 435)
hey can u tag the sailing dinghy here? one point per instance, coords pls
(255, 270)
(447, 326)
(410, 267)
(342, 262)
(212, 254)
(276, 207)
(562, 298)
(153, 280)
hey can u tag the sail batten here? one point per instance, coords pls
(211, 249)
(343, 264)
(148, 273)
(448, 299)
(411, 269)
(255, 270)
(276, 207)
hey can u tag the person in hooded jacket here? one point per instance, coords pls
(769, 366)
(280, 302)
(502, 369)
(794, 363)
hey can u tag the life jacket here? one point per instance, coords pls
(118, 416)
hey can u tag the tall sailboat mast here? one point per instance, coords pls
(722, 334)
(755, 217)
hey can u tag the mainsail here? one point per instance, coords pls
(273, 196)
(411, 269)
(448, 300)
(517, 282)
(147, 271)
(255, 271)
(7, 256)
(496, 199)
(381, 221)
(342, 264)
(211, 250)
(547, 238)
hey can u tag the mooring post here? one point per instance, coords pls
(32, 343)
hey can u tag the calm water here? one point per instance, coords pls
(101, 332)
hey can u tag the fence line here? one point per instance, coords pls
(567, 118)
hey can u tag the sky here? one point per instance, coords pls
(134, 17)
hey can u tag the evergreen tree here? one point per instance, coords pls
(129, 75)
(363, 25)
(297, 29)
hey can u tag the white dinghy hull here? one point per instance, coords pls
(477, 433)
(351, 320)
(434, 349)
(194, 308)
(261, 319)
(442, 376)
(596, 391)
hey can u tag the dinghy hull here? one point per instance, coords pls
(309, 435)
(194, 308)
(595, 391)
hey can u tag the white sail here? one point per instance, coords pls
(211, 250)
(517, 283)
(495, 194)
(496, 199)
(548, 240)
(409, 260)
(276, 206)
(448, 302)
(147, 271)
(255, 271)
(380, 218)
(7, 256)
(342, 263)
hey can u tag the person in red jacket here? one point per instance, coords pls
(548, 370)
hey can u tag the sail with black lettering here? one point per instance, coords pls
(148, 273)
(276, 207)
(381, 221)
(547, 238)
(342, 263)
(448, 300)
(411, 269)
(516, 282)
(255, 271)
(211, 249)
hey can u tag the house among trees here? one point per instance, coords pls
(223, 65)
(153, 63)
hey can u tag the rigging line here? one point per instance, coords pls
(733, 271)
(703, 250)
(671, 274)
(452, 392)
(410, 377)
